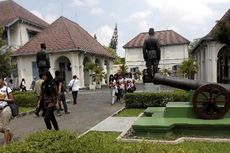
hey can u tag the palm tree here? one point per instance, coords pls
(189, 67)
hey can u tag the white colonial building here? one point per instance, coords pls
(174, 50)
(20, 24)
(70, 48)
(213, 58)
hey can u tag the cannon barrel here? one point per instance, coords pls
(181, 83)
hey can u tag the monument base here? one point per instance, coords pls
(151, 87)
(178, 118)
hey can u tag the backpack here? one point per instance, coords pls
(13, 106)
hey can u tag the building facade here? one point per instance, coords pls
(70, 49)
(212, 57)
(174, 50)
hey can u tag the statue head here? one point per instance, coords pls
(151, 31)
(43, 46)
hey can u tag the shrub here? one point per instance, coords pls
(143, 100)
(25, 99)
(45, 142)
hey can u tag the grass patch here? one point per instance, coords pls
(25, 109)
(130, 112)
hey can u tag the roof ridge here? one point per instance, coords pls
(71, 37)
(13, 5)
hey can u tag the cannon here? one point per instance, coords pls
(210, 100)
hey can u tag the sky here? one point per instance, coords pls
(190, 18)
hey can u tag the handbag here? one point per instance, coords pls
(13, 106)
(70, 88)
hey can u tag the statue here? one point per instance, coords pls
(42, 59)
(152, 55)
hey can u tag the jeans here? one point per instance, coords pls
(74, 93)
(63, 99)
(49, 117)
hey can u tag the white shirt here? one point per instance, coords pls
(3, 95)
(74, 83)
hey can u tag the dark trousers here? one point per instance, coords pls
(152, 67)
(63, 99)
(49, 117)
(74, 93)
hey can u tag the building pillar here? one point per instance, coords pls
(81, 70)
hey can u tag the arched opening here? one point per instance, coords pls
(223, 65)
(86, 72)
(63, 65)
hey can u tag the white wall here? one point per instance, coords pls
(76, 60)
(170, 56)
(206, 57)
(19, 35)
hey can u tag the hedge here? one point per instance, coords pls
(25, 99)
(104, 142)
(145, 99)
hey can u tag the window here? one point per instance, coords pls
(31, 33)
(35, 70)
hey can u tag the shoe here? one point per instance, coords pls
(67, 112)
(36, 113)
(58, 114)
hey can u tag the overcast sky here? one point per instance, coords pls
(190, 18)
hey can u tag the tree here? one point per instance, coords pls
(97, 74)
(189, 68)
(5, 65)
(222, 34)
(114, 40)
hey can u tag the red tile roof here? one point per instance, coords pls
(166, 37)
(210, 35)
(63, 35)
(11, 11)
(225, 18)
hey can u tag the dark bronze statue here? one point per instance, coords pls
(151, 54)
(210, 100)
(42, 59)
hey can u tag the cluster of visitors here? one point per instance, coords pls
(119, 85)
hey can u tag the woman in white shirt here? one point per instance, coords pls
(6, 97)
(74, 87)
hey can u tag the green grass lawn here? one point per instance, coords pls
(25, 109)
(130, 112)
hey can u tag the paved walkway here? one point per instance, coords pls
(92, 108)
(116, 124)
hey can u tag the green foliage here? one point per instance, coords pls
(123, 69)
(5, 65)
(104, 142)
(144, 100)
(189, 68)
(222, 33)
(165, 72)
(112, 51)
(45, 142)
(25, 99)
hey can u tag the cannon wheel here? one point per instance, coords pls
(211, 101)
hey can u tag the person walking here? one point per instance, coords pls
(61, 91)
(49, 97)
(37, 89)
(23, 85)
(74, 87)
(6, 97)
